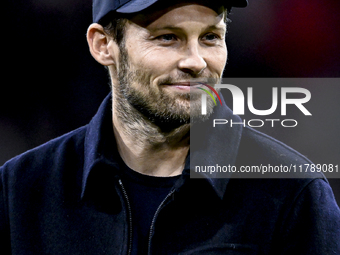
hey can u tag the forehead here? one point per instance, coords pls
(180, 13)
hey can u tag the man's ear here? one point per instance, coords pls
(101, 45)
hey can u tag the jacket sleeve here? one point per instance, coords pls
(313, 223)
(5, 243)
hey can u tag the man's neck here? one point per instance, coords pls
(145, 148)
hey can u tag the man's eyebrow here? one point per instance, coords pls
(174, 28)
(165, 28)
(214, 27)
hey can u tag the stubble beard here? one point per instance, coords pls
(138, 107)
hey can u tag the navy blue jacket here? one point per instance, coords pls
(66, 197)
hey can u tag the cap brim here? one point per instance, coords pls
(135, 6)
(139, 5)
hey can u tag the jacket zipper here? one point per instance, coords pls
(154, 218)
(130, 215)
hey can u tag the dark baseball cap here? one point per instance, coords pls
(101, 8)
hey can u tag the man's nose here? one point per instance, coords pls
(192, 60)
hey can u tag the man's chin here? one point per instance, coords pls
(196, 115)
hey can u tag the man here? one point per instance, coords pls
(121, 184)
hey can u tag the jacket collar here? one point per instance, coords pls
(100, 144)
(212, 146)
(221, 147)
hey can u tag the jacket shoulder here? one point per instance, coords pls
(259, 149)
(266, 148)
(49, 155)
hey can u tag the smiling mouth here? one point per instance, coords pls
(185, 85)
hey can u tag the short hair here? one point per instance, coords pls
(116, 28)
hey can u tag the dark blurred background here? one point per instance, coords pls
(52, 85)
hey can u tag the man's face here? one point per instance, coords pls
(161, 61)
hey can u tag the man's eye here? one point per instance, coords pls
(211, 37)
(167, 37)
